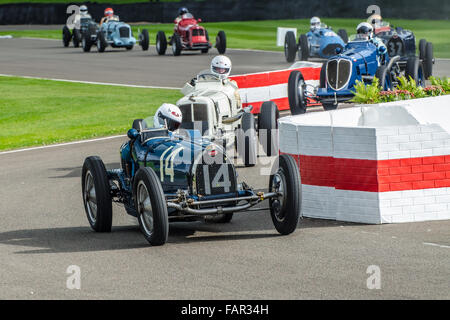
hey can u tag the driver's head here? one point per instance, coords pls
(182, 11)
(83, 9)
(168, 116)
(365, 30)
(315, 23)
(375, 20)
(221, 66)
(109, 12)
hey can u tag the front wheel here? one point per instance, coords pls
(221, 42)
(161, 43)
(296, 93)
(414, 70)
(285, 209)
(76, 38)
(384, 77)
(176, 45)
(144, 40)
(96, 194)
(268, 121)
(303, 48)
(101, 42)
(151, 206)
(247, 142)
(86, 43)
(66, 36)
(428, 60)
(290, 47)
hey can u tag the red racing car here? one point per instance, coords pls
(189, 35)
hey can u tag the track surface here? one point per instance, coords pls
(49, 59)
(44, 229)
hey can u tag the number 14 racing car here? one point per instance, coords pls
(168, 177)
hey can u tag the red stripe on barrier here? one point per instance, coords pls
(375, 175)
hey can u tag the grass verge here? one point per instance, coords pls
(261, 35)
(40, 112)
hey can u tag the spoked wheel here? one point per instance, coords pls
(66, 36)
(144, 40)
(290, 47)
(176, 45)
(297, 93)
(221, 42)
(151, 206)
(161, 43)
(285, 209)
(96, 194)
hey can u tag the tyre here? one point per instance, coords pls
(161, 43)
(138, 125)
(285, 210)
(268, 121)
(296, 93)
(66, 36)
(144, 39)
(414, 69)
(422, 47)
(101, 42)
(221, 218)
(247, 142)
(76, 38)
(323, 76)
(290, 47)
(151, 206)
(96, 194)
(428, 60)
(176, 45)
(329, 106)
(384, 77)
(129, 48)
(303, 48)
(86, 43)
(221, 42)
(343, 34)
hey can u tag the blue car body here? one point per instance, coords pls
(323, 43)
(118, 34)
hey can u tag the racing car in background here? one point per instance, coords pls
(167, 177)
(402, 42)
(214, 109)
(319, 43)
(85, 24)
(189, 35)
(339, 74)
(114, 33)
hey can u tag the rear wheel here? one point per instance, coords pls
(66, 36)
(151, 206)
(86, 43)
(161, 43)
(285, 209)
(296, 93)
(76, 38)
(323, 75)
(414, 70)
(247, 142)
(176, 45)
(343, 34)
(144, 40)
(96, 194)
(303, 48)
(268, 121)
(221, 42)
(428, 60)
(290, 47)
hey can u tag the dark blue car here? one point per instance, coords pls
(319, 43)
(360, 60)
(170, 177)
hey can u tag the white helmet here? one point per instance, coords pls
(221, 66)
(83, 9)
(315, 23)
(168, 116)
(365, 29)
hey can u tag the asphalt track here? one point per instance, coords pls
(44, 229)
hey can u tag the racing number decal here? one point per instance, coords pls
(222, 179)
(167, 169)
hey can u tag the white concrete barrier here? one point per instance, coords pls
(374, 164)
(281, 35)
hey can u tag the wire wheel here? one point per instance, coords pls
(145, 208)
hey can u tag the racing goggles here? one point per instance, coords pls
(109, 13)
(220, 70)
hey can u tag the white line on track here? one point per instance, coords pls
(436, 245)
(92, 82)
(62, 144)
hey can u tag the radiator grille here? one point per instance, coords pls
(338, 73)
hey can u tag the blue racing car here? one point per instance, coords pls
(320, 42)
(166, 176)
(360, 60)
